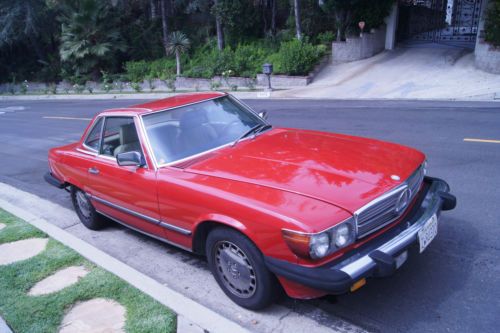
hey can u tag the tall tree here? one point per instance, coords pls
(23, 19)
(152, 8)
(218, 25)
(164, 11)
(298, 26)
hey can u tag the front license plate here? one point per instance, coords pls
(428, 232)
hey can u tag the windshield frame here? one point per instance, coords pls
(243, 106)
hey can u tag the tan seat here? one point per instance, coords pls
(129, 141)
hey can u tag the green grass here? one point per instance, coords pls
(44, 314)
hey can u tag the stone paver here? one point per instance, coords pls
(21, 250)
(59, 280)
(97, 316)
(2, 226)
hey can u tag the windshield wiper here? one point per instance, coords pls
(263, 128)
(247, 133)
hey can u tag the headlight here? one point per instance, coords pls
(321, 244)
(343, 235)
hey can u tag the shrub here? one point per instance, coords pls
(492, 24)
(296, 57)
(136, 86)
(326, 38)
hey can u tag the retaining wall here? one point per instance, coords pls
(357, 48)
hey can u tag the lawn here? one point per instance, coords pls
(43, 314)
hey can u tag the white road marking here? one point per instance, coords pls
(13, 108)
(481, 140)
(68, 118)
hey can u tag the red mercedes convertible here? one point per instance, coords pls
(307, 212)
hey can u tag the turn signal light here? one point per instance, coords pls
(297, 242)
(358, 284)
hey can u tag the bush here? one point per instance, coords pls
(138, 71)
(326, 38)
(296, 58)
(492, 24)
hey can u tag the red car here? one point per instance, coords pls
(309, 212)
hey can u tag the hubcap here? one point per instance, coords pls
(234, 269)
(83, 204)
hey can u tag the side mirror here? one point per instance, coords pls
(263, 115)
(131, 158)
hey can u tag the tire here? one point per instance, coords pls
(85, 210)
(239, 269)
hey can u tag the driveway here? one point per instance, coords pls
(427, 71)
(453, 286)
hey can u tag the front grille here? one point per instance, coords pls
(383, 210)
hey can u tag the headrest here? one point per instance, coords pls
(128, 134)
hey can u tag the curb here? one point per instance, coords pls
(158, 95)
(192, 317)
(4, 328)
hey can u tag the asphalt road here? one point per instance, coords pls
(453, 286)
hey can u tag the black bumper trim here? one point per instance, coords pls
(337, 277)
(49, 178)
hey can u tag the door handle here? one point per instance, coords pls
(94, 171)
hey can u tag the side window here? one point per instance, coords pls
(94, 136)
(120, 136)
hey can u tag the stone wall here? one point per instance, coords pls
(487, 57)
(357, 48)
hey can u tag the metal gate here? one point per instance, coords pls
(453, 22)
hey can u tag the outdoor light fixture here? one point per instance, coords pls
(267, 69)
(361, 26)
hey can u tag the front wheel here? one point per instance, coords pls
(239, 269)
(85, 210)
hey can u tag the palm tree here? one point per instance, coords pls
(89, 37)
(178, 43)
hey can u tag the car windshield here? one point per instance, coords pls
(193, 129)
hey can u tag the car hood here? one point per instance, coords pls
(342, 170)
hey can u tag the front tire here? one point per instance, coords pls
(85, 210)
(239, 269)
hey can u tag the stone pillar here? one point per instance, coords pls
(392, 23)
(482, 19)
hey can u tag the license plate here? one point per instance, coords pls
(428, 232)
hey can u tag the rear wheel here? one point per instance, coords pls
(239, 269)
(85, 210)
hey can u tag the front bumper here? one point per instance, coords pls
(376, 258)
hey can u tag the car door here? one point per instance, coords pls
(124, 193)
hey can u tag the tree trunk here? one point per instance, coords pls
(178, 61)
(274, 10)
(152, 5)
(298, 27)
(218, 26)
(164, 23)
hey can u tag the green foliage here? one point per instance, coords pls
(326, 38)
(492, 24)
(136, 86)
(26, 313)
(138, 71)
(296, 58)
(90, 36)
